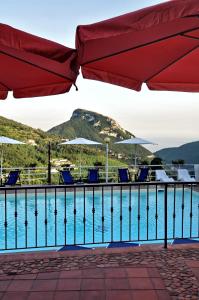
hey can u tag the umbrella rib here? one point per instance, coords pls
(34, 65)
(190, 37)
(143, 45)
(170, 64)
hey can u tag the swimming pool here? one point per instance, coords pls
(56, 217)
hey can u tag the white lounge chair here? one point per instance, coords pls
(161, 175)
(183, 175)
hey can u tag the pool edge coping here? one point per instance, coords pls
(100, 251)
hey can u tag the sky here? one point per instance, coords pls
(167, 118)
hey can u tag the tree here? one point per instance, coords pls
(157, 163)
(178, 162)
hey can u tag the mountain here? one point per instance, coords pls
(94, 126)
(188, 152)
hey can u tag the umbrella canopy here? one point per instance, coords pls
(80, 141)
(6, 140)
(135, 141)
(158, 45)
(32, 66)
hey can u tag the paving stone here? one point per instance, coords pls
(177, 267)
(15, 296)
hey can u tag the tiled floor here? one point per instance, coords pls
(122, 283)
(146, 272)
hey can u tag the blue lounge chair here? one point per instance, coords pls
(73, 247)
(143, 174)
(122, 245)
(93, 176)
(66, 177)
(124, 175)
(13, 177)
(179, 241)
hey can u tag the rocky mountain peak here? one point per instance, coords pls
(97, 127)
(105, 125)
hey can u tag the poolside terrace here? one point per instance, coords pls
(146, 272)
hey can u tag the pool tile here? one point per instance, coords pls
(48, 275)
(70, 274)
(20, 285)
(158, 283)
(4, 285)
(193, 263)
(119, 295)
(153, 272)
(137, 272)
(115, 273)
(117, 283)
(196, 272)
(25, 276)
(92, 284)
(15, 296)
(41, 296)
(69, 284)
(93, 273)
(142, 295)
(66, 295)
(44, 285)
(141, 284)
(163, 295)
(92, 295)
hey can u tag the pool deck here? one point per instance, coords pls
(146, 272)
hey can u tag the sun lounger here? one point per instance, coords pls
(93, 176)
(66, 177)
(143, 174)
(183, 175)
(161, 175)
(13, 177)
(124, 175)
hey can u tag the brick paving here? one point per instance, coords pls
(146, 272)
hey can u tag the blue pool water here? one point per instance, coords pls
(85, 227)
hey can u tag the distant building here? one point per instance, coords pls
(60, 162)
(31, 142)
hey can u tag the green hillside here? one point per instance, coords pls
(188, 152)
(97, 127)
(24, 155)
(82, 124)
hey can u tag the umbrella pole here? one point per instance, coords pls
(80, 165)
(106, 162)
(1, 179)
(135, 161)
(49, 163)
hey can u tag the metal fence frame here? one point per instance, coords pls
(4, 191)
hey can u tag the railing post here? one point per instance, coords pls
(29, 179)
(49, 163)
(165, 215)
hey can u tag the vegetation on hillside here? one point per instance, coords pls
(82, 124)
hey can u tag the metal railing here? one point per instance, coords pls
(82, 214)
(39, 175)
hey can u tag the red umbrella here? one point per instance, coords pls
(158, 45)
(32, 66)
